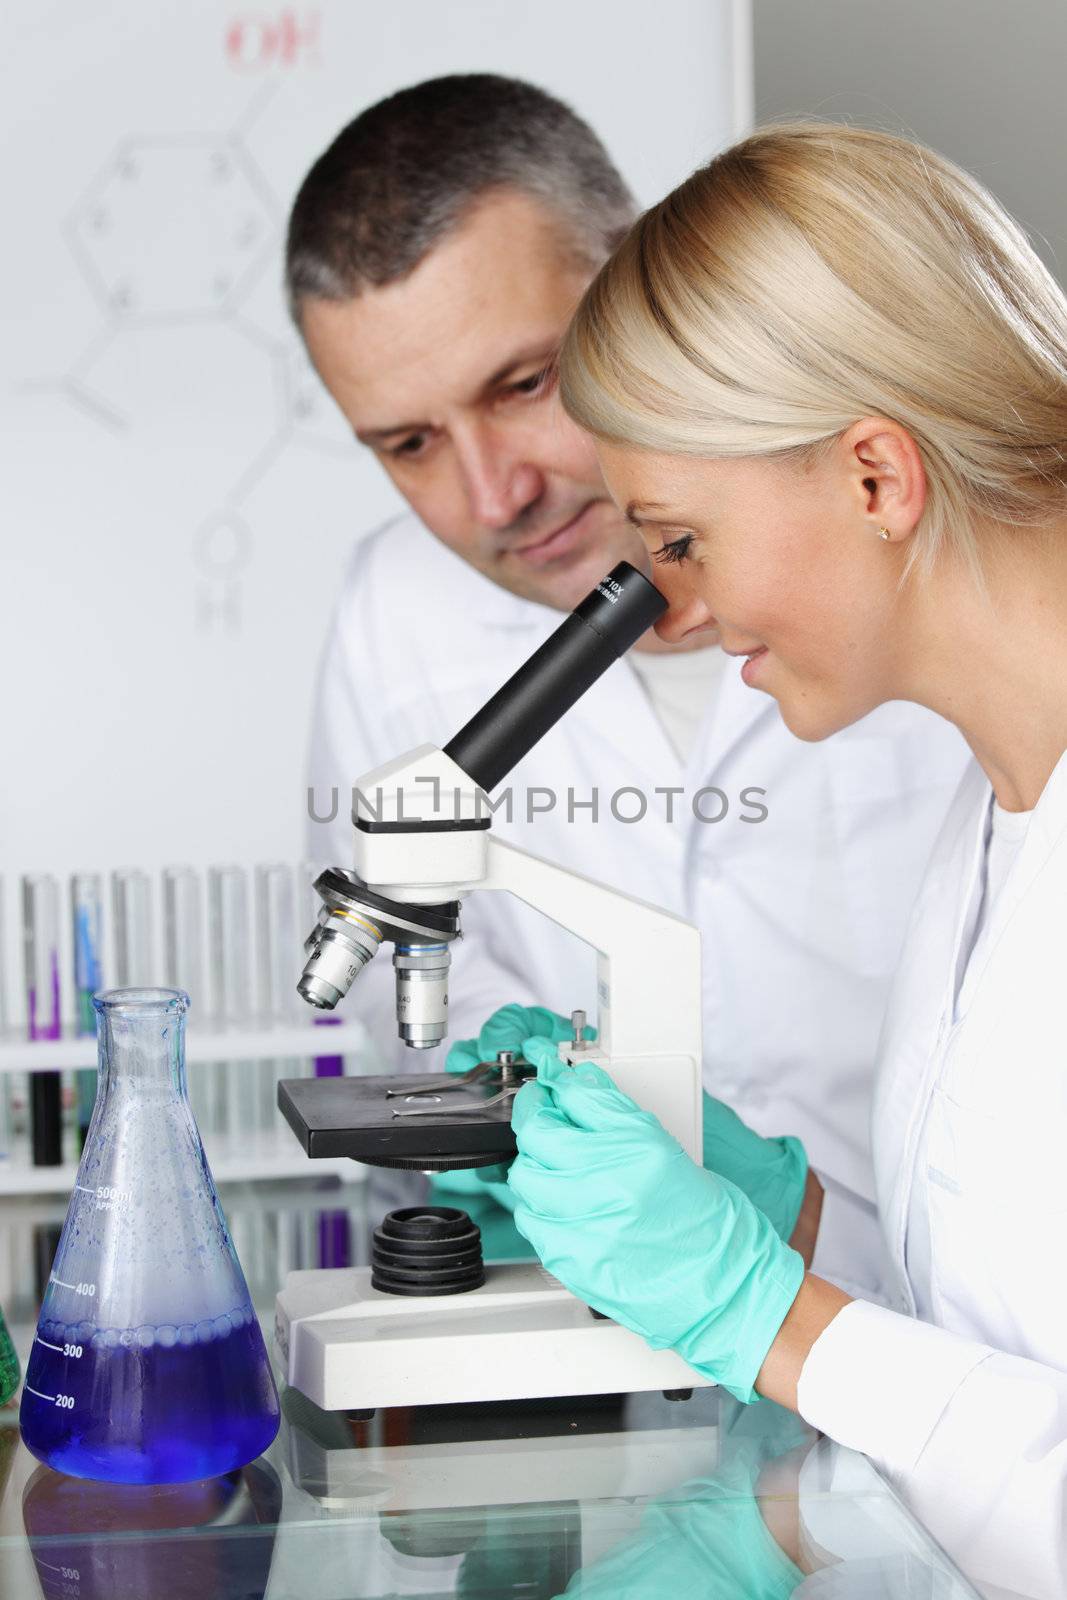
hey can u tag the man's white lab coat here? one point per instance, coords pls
(971, 1415)
(803, 913)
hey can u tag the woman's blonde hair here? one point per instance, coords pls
(815, 274)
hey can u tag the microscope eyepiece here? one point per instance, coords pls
(354, 920)
(622, 607)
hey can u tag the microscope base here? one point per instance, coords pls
(521, 1336)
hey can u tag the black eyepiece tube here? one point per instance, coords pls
(620, 609)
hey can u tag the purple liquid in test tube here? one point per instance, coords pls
(44, 1007)
(335, 1243)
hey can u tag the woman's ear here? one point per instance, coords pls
(888, 475)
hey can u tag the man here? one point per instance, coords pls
(436, 252)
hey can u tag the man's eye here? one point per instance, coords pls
(410, 446)
(674, 550)
(534, 384)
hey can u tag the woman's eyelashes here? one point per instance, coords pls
(673, 549)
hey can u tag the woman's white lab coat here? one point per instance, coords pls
(970, 1415)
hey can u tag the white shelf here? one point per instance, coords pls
(255, 1041)
(264, 1158)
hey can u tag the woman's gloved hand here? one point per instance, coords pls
(772, 1172)
(619, 1213)
(506, 1029)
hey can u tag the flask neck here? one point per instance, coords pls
(142, 1041)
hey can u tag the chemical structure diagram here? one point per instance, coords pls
(171, 237)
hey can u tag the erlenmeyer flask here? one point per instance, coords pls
(148, 1365)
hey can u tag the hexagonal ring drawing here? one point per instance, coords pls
(173, 227)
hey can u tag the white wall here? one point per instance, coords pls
(178, 497)
(979, 80)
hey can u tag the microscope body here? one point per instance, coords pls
(349, 1346)
(648, 960)
(422, 841)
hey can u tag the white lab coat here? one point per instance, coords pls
(970, 1416)
(803, 914)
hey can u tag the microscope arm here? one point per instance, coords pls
(648, 982)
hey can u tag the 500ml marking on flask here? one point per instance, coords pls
(107, 1197)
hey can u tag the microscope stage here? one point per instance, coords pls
(356, 1117)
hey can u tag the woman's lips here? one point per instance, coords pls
(750, 672)
(559, 543)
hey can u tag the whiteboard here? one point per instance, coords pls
(179, 496)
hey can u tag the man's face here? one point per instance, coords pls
(446, 376)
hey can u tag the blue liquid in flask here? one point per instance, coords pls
(148, 1365)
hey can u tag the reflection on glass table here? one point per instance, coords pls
(623, 1496)
(84, 1537)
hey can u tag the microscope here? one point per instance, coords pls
(428, 1323)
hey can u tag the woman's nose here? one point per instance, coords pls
(683, 617)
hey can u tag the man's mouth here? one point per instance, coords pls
(560, 542)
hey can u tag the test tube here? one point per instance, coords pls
(182, 935)
(309, 904)
(279, 946)
(182, 952)
(326, 1239)
(228, 918)
(5, 1014)
(230, 987)
(40, 929)
(86, 895)
(131, 900)
(278, 951)
(6, 1078)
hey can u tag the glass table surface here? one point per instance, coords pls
(627, 1497)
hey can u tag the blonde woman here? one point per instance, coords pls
(828, 377)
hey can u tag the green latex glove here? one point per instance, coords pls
(619, 1213)
(771, 1172)
(505, 1030)
(501, 1240)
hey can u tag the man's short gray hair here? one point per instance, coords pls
(405, 172)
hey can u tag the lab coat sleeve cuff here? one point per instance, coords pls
(880, 1382)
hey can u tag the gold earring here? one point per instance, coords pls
(883, 533)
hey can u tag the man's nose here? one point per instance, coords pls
(500, 484)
